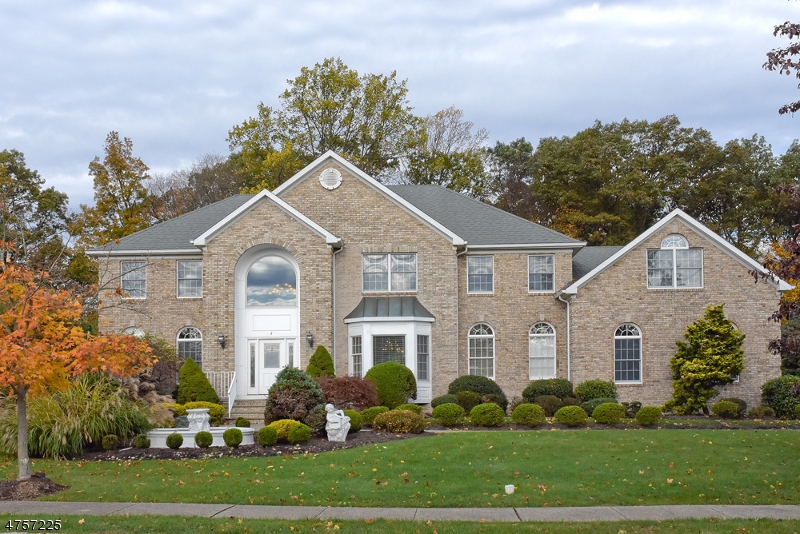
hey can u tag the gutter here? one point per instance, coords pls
(333, 283)
(458, 310)
(569, 331)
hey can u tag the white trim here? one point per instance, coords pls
(546, 291)
(178, 279)
(209, 234)
(480, 292)
(529, 246)
(358, 173)
(402, 319)
(695, 225)
(148, 252)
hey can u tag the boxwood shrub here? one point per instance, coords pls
(368, 416)
(444, 399)
(203, 439)
(141, 441)
(648, 415)
(394, 383)
(110, 442)
(777, 394)
(596, 389)
(449, 413)
(558, 387)
(590, 405)
(267, 436)
(550, 404)
(725, 409)
(299, 433)
(232, 437)
(399, 422)
(356, 422)
(468, 399)
(282, 427)
(241, 422)
(489, 414)
(609, 413)
(571, 416)
(528, 414)
(214, 410)
(481, 385)
(174, 441)
(416, 408)
(761, 411)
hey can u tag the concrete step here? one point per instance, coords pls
(252, 410)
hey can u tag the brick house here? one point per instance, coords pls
(422, 275)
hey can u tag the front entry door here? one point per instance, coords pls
(267, 358)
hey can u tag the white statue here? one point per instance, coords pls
(338, 424)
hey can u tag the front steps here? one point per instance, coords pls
(250, 409)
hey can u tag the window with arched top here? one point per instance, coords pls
(542, 351)
(271, 281)
(190, 344)
(134, 331)
(675, 265)
(674, 241)
(481, 350)
(628, 354)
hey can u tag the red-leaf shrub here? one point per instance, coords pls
(349, 392)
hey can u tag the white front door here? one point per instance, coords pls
(267, 358)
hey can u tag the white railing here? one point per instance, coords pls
(221, 381)
(231, 394)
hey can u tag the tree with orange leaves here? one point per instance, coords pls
(42, 345)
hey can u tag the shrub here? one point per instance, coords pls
(632, 408)
(648, 415)
(368, 416)
(356, 422)
(174, 441)
(444, 399)
(528, 414)
(589, 406)
(495, 399)
(193, 385)
(596, 389)
(725, 409)
(609, 413)
(468, 399)
(777, 394)
(182, 421)
(293, 396)
(550, 404)
(449, 413)
(399, 422)
(241, 422)
(349, 392)
(215, 411)
(282, 427)
(232, 437)
(742, 405)
(761, 411)
(299, 433)
(317, 419)
(394, 382)
(267, 436)
(481, 385)
(203, 439)
(557, 387)
(571, 416)
(416, 408)
(515, 401)
(321, 364)
(175, 408)
(489, 414)
(110, 442)
(141, 441)
(797, 412)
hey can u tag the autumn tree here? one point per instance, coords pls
(42, 345)
(783, 60)
(511, 169)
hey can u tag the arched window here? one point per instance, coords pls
(271, 281)
(481, 350)
(542, 351)
(628, 354)
(190, 344)
(675, 265)
(134, 331)
(674, 241)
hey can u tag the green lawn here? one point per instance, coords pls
(470, 469)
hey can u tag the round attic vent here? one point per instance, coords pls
(330, 178)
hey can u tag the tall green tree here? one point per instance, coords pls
(511, 170)
(783, 59)
(710, 357)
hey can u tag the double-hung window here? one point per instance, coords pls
(389, 272)
(480, 274)
(356, 353)
(675, 265)
(541, 273)
(628, 354)
(542, 351)
(190, 279)
(134, 279)
(481, 350)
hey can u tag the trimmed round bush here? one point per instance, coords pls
(267, 436)
(356, 421)
(194, 385)
(590, 405)
(596, 389)
(481, 385)
(174, 441)
(571, 401)
(648, 415)
(558, 387)
(444, 399)
(740, 403)
(550, 404)
(215, 411)
(394, 382)
(416, 408)
(608, 413)
(368, 416)
(528, 414)
(110, 442)
(203, 439)
(499, 400)
(349, 392)
(282, 427)
(232, 437)
(797, 412)
(299, 433)
(725, 409)
(777, 394)
(293, 396)
(571, 416)
(761, 411)
(489, 414)
(141, 441)
(399, 422)
(320, 364)
(468, 399)
(241, 422)
(449, 413)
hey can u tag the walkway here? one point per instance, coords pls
(595, 513)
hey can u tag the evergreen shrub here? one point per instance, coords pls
(293, 396)
(215, 410)
(416, 408)
(740, 403)
(609, 413)
(449, 413)
(596, 389)
(110, 442)
(528, 414)
(777, 394)
(368, 416)
(232, 437)
(267, 436)
(649, 415)
(317, 419)
(175, 408)
(174, 441)
(394, 382)
(725, 409)
(571, 416)
(590, 405)
(468, 399)
(241, 422)
(489, 414)
(557, 387)
(282, 427)
(299, 433)
(141, 441)
(321, 364)
(203, 439)
(356, 422)
(444, 399)
(194, 385)
(182, 421)
(550, 404)
(761, 411)
(399, 422)
(349, 392)
(481, 385)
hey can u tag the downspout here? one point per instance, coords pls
(333, 283)
(458, 310)
(569, 333)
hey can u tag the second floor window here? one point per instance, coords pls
(134, 279)
(480, 274)
(675, 265)
(541, 273)
(389, 272)
(190, 279)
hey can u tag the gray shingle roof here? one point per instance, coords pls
(590, 257)
(476, 222)
(375, 307)
(176, 234)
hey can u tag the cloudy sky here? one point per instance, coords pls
(176, 76)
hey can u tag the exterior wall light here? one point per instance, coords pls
(310, 339)
(221, 339)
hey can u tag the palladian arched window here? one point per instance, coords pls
(271, 281)
(542, 351)
(481, 350)
(190, 344)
